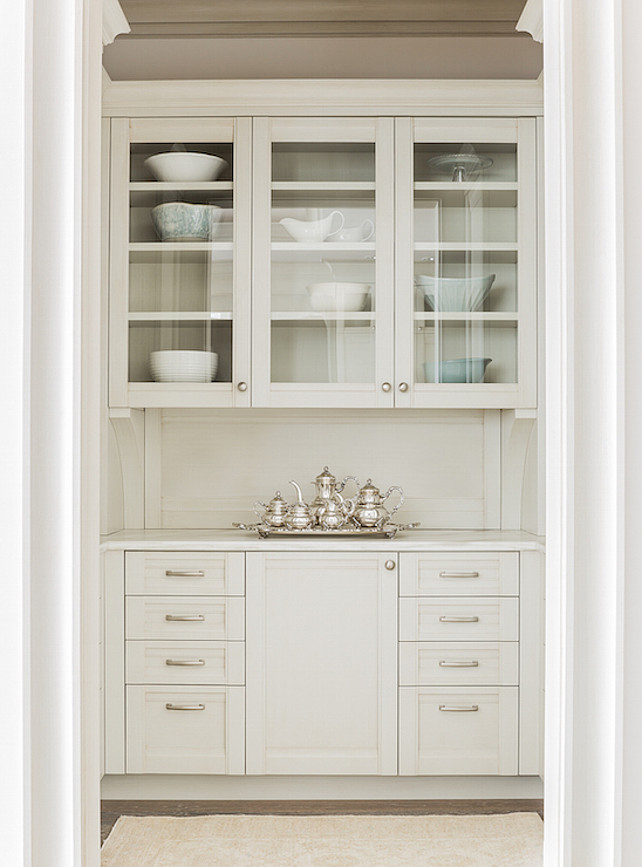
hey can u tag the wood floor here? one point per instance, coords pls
(111, 810)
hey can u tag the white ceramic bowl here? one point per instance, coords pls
(179, 166)
(338, 297)
(454, 294)
(362, 232)
(183, 365)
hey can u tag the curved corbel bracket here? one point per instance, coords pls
(114, 21)
(532, 20)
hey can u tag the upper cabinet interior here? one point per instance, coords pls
(323, 262)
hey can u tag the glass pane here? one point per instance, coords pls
(466, 162)
(323, 292)
(181, 233)
(323, 161)
(323, 350)
(468, 351)
(141, 171)
(464, 281)
(190, 351)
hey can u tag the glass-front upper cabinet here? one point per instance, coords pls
(180, 262)
(323, 264)
(466, 271)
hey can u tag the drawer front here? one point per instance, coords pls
(213, 662)
(185, 730)
(456, 619)
(451, 730)
(467, 574)
(191, 573)
(455, 663)
(194, 618)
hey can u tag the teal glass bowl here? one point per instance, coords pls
(457, 370)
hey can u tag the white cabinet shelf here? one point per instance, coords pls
(180, 246)
(180, 186)
(171, 316)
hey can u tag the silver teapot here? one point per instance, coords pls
(370, 510)
(329, 506)
(298, 516)
(274, 513)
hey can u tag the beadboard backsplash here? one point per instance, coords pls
(205, 468)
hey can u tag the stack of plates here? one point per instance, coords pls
(183, 365)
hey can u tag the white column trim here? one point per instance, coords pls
(584, 447)
(114, 21)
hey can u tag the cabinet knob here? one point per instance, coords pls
(403, 386)
(385, 386)
(390, 565)
(242, 386)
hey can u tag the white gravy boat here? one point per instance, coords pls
(313, 230)
(363, 232)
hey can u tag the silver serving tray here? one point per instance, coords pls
(388, 531)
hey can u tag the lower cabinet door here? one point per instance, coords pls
(321, 663)
(458, 730)
(185, 730)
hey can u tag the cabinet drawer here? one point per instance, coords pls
(213, 662)
(184, 572)
(456, 619)
(458, 730)
(178, 617)
(185, 730)
(467, 574)
(487, 663)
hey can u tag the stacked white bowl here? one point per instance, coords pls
(183, 365)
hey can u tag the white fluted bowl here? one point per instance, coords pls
(183, 365)
(454, 294)
(185, 166)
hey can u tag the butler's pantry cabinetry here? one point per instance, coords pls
(338, 262)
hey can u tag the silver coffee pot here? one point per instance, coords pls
(329, 506)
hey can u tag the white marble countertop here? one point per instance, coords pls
(241, 540)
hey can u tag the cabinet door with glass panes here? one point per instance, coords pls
(323, 265)
(466, 272)
(180, 262)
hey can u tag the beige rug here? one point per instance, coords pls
(509, 840)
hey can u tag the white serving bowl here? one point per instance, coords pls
(362, 232)
(454, 294)
(313, 230)
(183, 365)
(185, 166)
(338, 297)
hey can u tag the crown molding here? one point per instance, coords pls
(114, 21)
(334, 97)
(532, 20)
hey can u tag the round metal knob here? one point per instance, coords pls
(242, 386)
(390, 565)
(385, 386)
(403, 386)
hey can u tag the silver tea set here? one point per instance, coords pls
(330, 512)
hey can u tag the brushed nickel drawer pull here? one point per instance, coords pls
(196, 573)
(455, 663)
(184, 662)
(171, 706)
(459, 708)
(459, 574)
(194, 617)
(464, 619)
